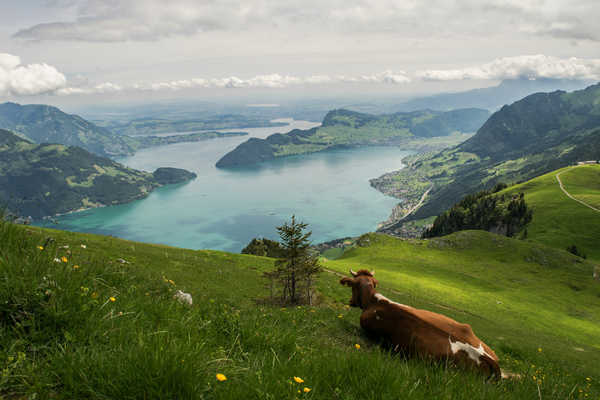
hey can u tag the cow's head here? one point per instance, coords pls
(363, 284)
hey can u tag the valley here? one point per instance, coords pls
(92, 301)
(486, 280)
(530, 137)
(265, 200)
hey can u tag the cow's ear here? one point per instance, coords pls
(375, 283)
(347, 281)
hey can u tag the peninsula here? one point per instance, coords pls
(418, 130)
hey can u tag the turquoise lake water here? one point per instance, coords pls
(225, 209)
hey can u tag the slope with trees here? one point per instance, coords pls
(540, 133)
(46, 124)
(48, 179)
(343, 128)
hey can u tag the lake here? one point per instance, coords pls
(225, 209)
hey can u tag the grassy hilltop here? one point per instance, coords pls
(102, 323)
(559, 221)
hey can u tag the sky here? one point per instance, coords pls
(86, 51)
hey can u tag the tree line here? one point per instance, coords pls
(507, 214)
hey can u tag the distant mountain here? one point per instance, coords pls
(540, 133)
(46, 124)
(341, 128)
(48, 179)
(154, 125)
(492, 98)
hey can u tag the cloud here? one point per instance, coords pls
(273, 81)
(31, 79)
(150, 20)
(527, 66)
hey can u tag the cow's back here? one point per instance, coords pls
(423, 331)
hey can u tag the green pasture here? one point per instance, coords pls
(102, 323)
(559, 221)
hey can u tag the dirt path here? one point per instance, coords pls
(569, 194)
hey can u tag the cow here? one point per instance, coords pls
(412, 331)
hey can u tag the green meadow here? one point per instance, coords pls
(559, 221)
(88, 316)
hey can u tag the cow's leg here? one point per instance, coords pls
(368, 321)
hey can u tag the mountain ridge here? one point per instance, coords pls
(40, 180)
(42, 123)
(345, 128)
(537, 134)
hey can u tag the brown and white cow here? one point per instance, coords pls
(421, 332)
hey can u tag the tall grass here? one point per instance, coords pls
(61, 335)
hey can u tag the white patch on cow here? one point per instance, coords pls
(182, 297)
(472, 352)
(381, 297)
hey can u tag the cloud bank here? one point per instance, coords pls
(150, 20)
(273, 81)
(17, 79)
(25, 80)
(528, 66)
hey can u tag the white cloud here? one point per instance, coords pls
(149, 20)
(274, 81)
(527, 66)
(31, 79)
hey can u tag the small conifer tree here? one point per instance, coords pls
(296, 270)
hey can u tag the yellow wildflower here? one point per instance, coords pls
(112, 299)
(75, 266)
(221, 377)
(306, 390)
(539, 349)
(588, 379)
(64, 259)
(298, 380)
(40, 247)
(94, 295)
(357, 346)
(340, 316)
(171, 282)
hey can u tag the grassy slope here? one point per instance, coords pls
(559, 221)
(61, 336)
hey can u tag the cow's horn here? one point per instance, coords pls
(373, 273)
(354, 274)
